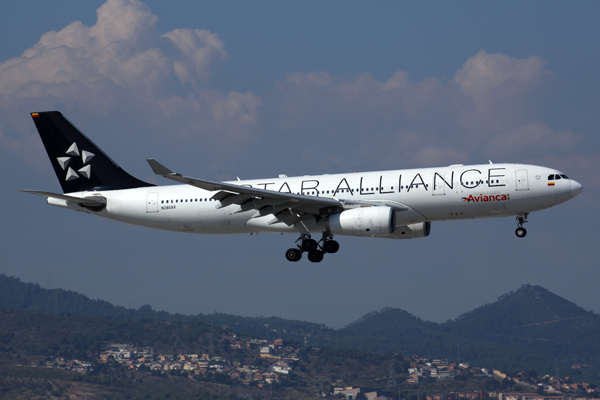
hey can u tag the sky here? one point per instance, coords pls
(227, 89)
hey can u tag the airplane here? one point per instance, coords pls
(399, 204)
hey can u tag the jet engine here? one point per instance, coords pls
(367, 221)
(412, 231)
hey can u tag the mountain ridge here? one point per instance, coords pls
(527, 328)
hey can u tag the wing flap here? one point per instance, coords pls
(273, 209)
(233, 199)
(288, 217)
(257, 204)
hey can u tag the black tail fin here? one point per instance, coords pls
(79, 164)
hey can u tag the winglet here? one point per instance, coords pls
(158, 168)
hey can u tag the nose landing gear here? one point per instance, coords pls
(521, 219)
(316, 250)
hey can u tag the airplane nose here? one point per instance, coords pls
(576, 188)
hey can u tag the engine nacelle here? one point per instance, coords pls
(411, 231)
(367, 221)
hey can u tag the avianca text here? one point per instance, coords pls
(485, 198)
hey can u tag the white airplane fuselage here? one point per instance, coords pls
(430, 194)
(398, 204)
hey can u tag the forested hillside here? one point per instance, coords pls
(82, 337)
(528, 328)
(17, 295)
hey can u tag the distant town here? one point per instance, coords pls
(282, 358)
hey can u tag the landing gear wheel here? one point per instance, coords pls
(315, 256)
(293, 255)
(309, 245)
(521, 219)
(331, 246)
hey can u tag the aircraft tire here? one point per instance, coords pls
(521, 232)
(315, 256)
(309, 245)
(331, 246)
(293, 255)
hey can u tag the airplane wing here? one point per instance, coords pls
(286, 207)
(83, 201)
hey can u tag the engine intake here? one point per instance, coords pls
(367, 221)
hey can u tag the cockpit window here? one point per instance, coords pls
(550, 177)
(564, 176)
(557, 177)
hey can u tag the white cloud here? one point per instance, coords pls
(197, 50)
(122, 65)
(493, 74)
(486, 110)
(534, 139)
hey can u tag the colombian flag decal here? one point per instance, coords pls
(34, 115)
(550, 183)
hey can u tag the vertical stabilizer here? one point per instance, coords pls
(78, 163)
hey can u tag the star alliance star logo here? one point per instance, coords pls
(85, 171)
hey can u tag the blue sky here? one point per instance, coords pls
(254, 89)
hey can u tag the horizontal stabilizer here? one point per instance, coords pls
(83, 201)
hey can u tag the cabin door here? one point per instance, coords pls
(521, 179)
(152, 202)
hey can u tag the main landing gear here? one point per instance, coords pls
(316, 250)
(521, 219)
